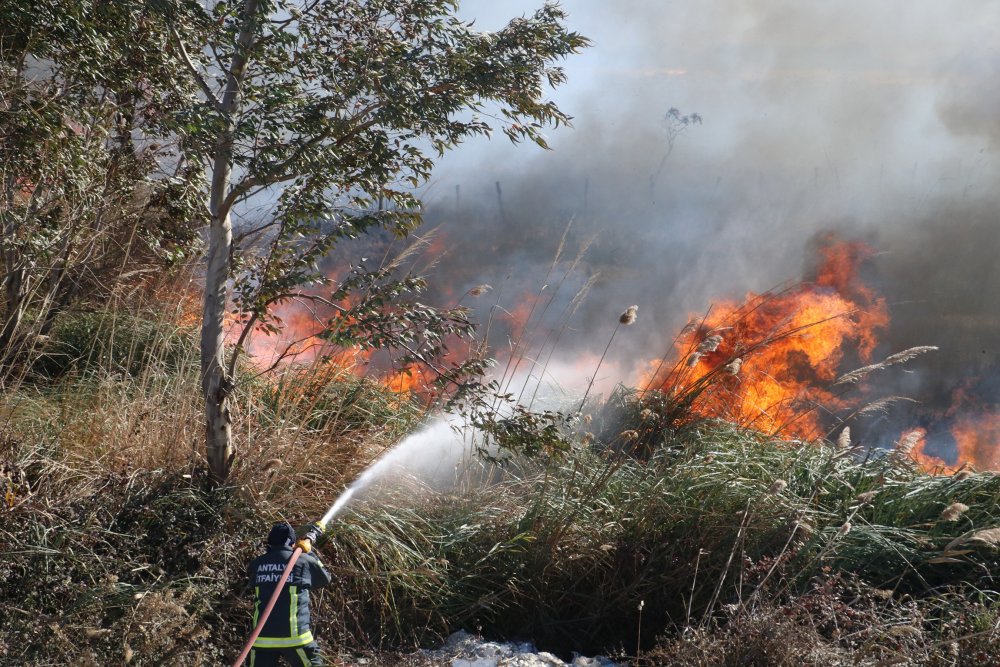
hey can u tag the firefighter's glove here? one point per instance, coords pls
(312, 534)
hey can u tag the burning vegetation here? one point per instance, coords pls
(778, 362)
(790, 362)
(770, 362)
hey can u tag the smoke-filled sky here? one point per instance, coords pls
(873, 120)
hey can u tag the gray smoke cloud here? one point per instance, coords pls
(873, 121)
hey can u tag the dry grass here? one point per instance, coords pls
(130, 554)
(721, 532)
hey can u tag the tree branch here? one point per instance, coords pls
(247, 328)
(242, 236)
(212, 98)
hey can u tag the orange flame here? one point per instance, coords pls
(406, 381)
(927, 462)
(522, 311)
(975, 429)
(976, 439)
(299, 341)
(839, 271)
(789, 346)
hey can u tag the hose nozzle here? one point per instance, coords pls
(312, 534)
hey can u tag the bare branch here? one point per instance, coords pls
(212, 98)
(247, 328)
(242, 236)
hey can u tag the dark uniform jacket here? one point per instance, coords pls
(288, 625)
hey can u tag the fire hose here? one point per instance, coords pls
(303, 545)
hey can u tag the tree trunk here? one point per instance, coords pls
(216, 382)
(216, 385)
(14, 311)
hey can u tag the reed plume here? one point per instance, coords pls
(777, 487)
(479, 290)
(710, 344)
(908, 442)
(954, 511)
(866, 497)
(629, 316)
(625, 319)
(271, 466)
(882, 405)
(844, 439)
(987, 537)
(858, 374)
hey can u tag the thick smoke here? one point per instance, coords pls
(872, 121)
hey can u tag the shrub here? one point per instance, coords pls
(113, 342)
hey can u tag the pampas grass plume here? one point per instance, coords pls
(908, 442)
(987, 537)
(271, 466)
(844, 439)
(866, 497)
(710, 344)
(905, 631)
(479, 290)
(629, 316)
(954, 512)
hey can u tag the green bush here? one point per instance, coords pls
(113, 342)
(576, 557)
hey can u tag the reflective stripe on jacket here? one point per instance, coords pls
(288, 626)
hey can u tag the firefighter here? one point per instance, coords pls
(286, 633)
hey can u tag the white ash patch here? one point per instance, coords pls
(466, 650)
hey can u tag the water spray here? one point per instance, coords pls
(437, 444)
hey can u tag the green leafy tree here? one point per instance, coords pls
(333, 111)
(83, 202)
